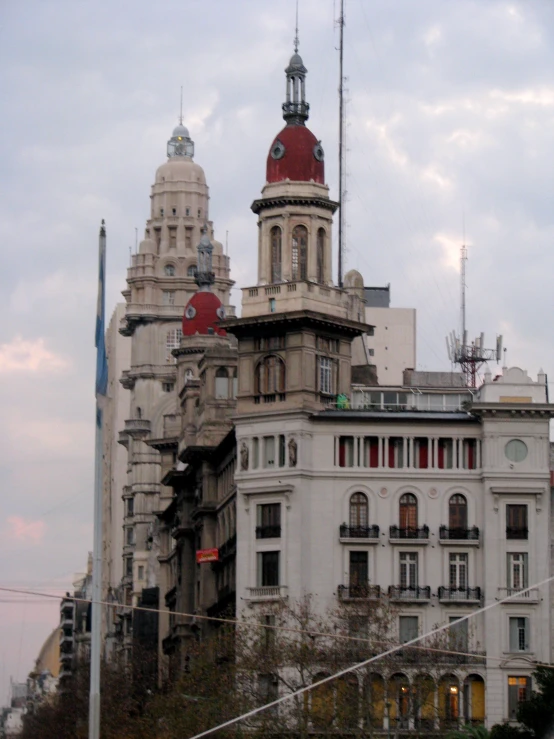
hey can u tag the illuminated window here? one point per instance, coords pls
(299, 253)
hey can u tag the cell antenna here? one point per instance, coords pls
(296, 39)
(470, 356)
(341, 140)
(181, 108)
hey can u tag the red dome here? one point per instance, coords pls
(293, 156)
(202, 315)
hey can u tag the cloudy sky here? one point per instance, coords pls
(450, 116)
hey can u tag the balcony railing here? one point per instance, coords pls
(228, 548)
(267, 592)
(531, 595)
(268, 532)
(359, 592)
(416, 593)
(459, 534)
(517, 532)
(359, 532)
(454, 595)
(422, 532)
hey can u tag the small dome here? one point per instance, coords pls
(181, 131)
(147, 246)
(353, 279)
(296, 62)
(180, 169)
(296, 155)
(202, 315)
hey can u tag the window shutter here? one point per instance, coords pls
(513, 635)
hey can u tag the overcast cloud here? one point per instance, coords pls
(450, 111)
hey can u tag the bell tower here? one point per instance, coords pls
(296, 328)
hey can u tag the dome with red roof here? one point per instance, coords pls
(202, 315)
(295, 155)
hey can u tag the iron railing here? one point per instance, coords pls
(459, 534)
(400, 592)
(268, 532)
(359, 532)
(517, 532)
(360, 592)
(457, 594)
(421, 532)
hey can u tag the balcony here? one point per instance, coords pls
(418, 535)
(459, 536)
(359, 592)
(517, 532)
(268, 532)
(355, 534)
(459, 595)
(267, 593)
(519, 595)
(228, 549)
(137, 427)
(409, 594)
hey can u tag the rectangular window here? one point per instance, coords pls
(172, 237)
(458, 634)
(516, 522)
(519, 690)
(157, 239)
(172, 341)
(130, 506)
(408, 628)
(346, 451)
(141, 572)
(358, 569)
(517, 571)
(282, 450)
(167, 387)
(129, 566)
(188, 239)
(130, 536)
(268, 688)
(396, 452)
(325, 376)
(371, 352)
(168, 297)
(371, 451)
(269, 634)
(519, 634)
(408, 570)
(458, 571)
(421, 453)
(255, 452)
(268, 569)
(469, 454)
(268, 520)
(269, 451)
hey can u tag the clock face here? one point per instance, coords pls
(318, 152)
(516, 450)
(278, 150)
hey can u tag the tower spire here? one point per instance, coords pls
(181, 108)
(296, 40)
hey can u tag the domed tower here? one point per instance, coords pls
(161, 281)
(295, 211)
(296, 328)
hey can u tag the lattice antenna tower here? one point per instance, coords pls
(470, 356)
(341, 144)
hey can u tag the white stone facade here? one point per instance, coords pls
(466, 455)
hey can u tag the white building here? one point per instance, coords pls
(439, 502)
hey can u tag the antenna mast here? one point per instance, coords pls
(181, 108)
(341, 140)
(470, 357)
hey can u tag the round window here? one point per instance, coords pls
(516, 450)
(278, 150)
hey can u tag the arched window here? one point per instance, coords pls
(321, 256)
(270, 376)
(299, 253)
(169, 270)
(449, 701)
(221, 383)
(457, 512)
(358, 512)
(191, 271)
(322, 703)
(347, 696)
(399, 701)
(408, 511)
(275, 254)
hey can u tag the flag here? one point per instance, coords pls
(101, 360)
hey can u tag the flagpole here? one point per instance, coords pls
(101, 390)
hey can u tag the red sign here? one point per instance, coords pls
(207, 555)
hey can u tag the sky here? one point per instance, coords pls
(450, 136)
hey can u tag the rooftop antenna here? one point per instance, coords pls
(136, 240)
(341, 138)
(470, 357)
(226, 243)
(181, 108)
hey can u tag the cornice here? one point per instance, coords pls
(283, 200)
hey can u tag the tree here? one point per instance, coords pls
(535, 715)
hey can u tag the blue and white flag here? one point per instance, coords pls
(101, 360)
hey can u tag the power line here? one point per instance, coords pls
(352, 668)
